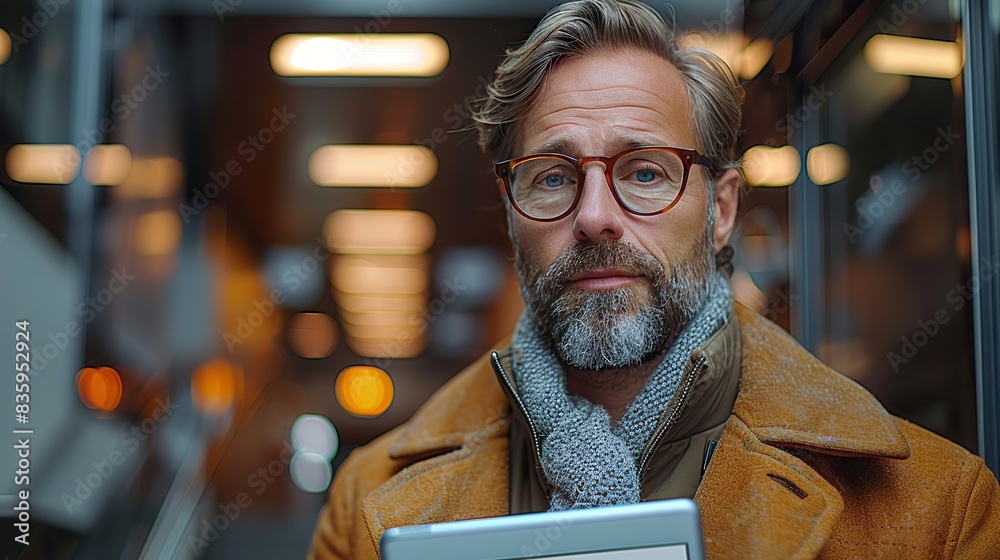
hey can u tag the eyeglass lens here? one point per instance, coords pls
(646, 181)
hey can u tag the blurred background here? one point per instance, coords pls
(240, 238)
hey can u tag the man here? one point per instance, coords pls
(631, 363)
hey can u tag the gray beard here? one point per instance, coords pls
(596, 330)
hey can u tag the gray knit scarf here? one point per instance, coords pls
(587, 462)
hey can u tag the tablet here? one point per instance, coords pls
(662, 530)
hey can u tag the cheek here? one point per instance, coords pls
(690, 216)
(539, 243)
(694, 201)
(672, 237)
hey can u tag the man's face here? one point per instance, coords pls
(607, 287)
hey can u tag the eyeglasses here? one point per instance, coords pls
(645, 181)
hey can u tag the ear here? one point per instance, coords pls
(727, 200)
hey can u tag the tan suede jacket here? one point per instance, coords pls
(809, 465)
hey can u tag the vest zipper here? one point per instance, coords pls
(512, 394)
(663, 428)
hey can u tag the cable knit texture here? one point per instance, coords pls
(588, 462)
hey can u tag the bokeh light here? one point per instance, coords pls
(355, 303)
(380, 280)
(398, 347)
(157, 233)
(359, 54)
(49, 164)
(827, 163)
(214, 386)
(314, 433)
(311, 472)
(99, 388)
(364, 390)
(107, 164)
(152, 177)
(894, 54)
(766, 166)
(312, 335)
(755, 56)
(373, 165)
(379, 232)
(5, 46)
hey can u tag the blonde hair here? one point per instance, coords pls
(584, 26)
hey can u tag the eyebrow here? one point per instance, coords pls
(560, 146)
(619, 142)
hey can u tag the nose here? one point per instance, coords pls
(598, 216)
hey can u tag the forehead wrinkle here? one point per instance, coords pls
(612, 107)
(647, 119)
(650, 102)
(631, 132)
(609, 97)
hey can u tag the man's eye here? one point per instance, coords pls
(553, 181)
(645, 176)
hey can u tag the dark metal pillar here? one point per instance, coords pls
(981, 29)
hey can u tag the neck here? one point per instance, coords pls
(614, 389)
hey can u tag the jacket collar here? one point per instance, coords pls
(757, 497)
(787, 397)
(461, 433)
(470, 407)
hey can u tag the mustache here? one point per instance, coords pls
(609, 254)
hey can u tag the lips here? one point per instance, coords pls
(602, 279)
(602, 273)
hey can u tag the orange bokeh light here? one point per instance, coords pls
(312, 335)
(99, 388)
(213, 387)
(364, 390)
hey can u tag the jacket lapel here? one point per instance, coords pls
(456, 449)
(791, 399)
(464, 484)
(758, 501)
